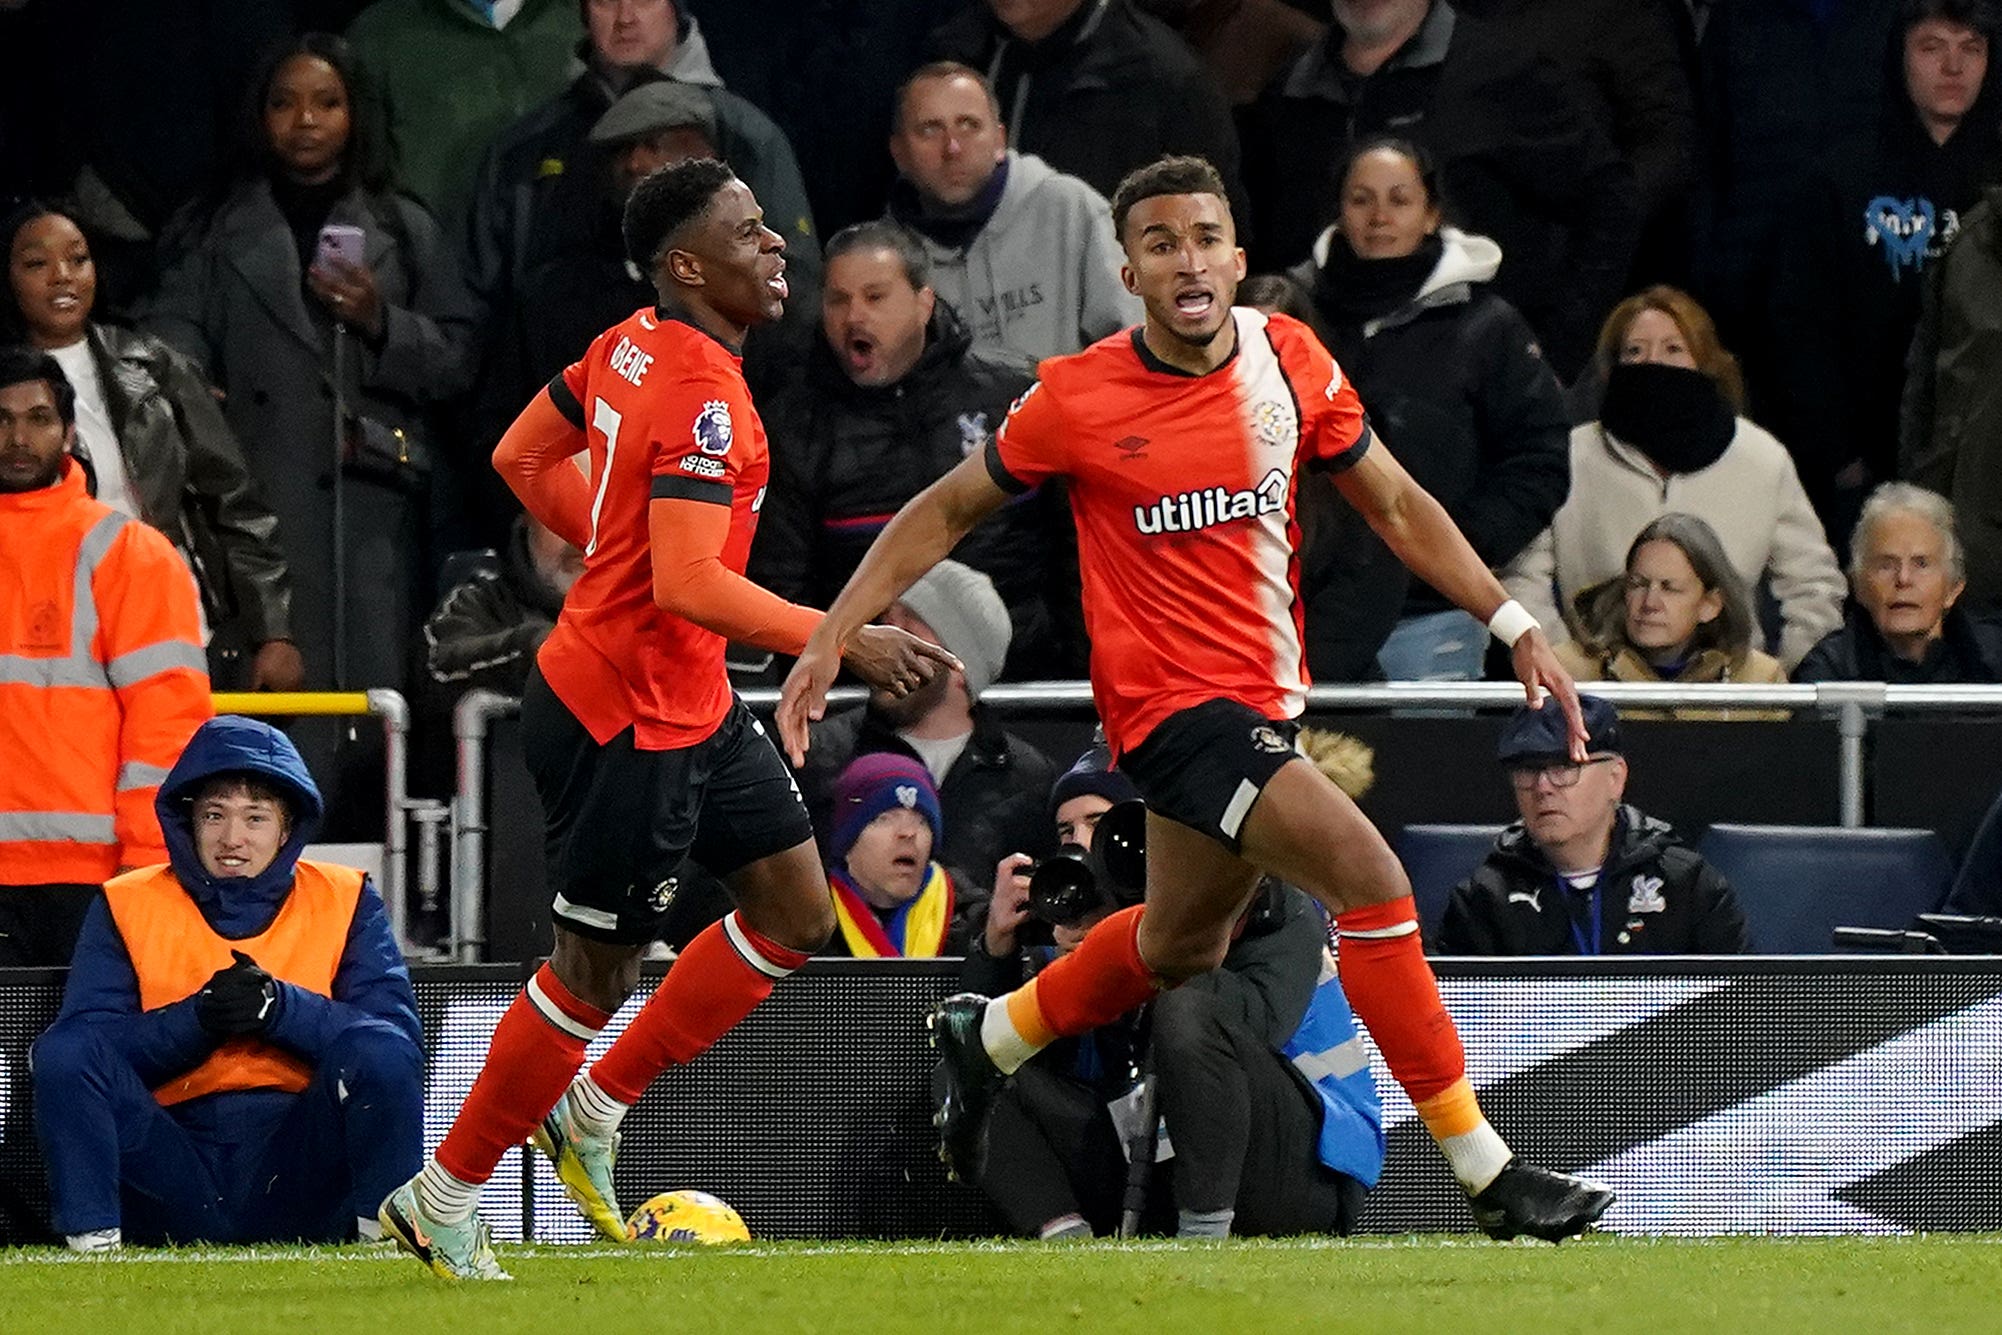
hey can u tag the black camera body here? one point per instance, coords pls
(1073, 883)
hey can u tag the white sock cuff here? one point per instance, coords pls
(598, 1111)
(444, 1196)
(1477, 1157)
(746, 944)
(1006, 1047)
(552, 1010)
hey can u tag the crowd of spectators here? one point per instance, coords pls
(1789, 258)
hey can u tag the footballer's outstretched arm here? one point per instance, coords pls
(1414, 525)
(686, 534)
(922, 534)
(533, 458)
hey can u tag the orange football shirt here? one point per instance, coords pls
(1182, 487)
(666, 413)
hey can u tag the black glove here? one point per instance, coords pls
(237, 1001)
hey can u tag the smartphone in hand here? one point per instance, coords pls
(343, 242)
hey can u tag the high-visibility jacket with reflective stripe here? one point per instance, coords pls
(1328, 1050)
(174, 952)
(102, 682)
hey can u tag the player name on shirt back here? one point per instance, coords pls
(630, 361)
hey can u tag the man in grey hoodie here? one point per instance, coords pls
(1024, 253)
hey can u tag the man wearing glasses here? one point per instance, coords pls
(1582, 873)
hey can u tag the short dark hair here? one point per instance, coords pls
(680, 14)
(667, 200)
(942, 69)
(20, 364)
(882, 234)
(249, 783)
(1165, 176)
(1979, 15)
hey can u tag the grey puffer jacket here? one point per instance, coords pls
(190, 479)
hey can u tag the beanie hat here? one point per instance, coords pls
(874, 784)
(1090, 777)
(960, 604)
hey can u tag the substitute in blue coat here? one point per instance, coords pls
(238, 1056)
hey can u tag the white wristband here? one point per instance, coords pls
(1511, 622)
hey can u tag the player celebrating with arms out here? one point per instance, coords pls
(1181, 440)
(641, 753)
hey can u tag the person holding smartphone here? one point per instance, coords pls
(307, 287)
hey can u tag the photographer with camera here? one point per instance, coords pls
(1265, 1042)
(237, 1058)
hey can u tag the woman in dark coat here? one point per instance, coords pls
(1453, 378)
(252, 292)
(158, 446)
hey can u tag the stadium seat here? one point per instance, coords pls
(1798, 883)
(1437, 858)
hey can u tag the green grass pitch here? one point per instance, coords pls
(1435, 1285)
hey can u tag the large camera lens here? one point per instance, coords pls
(1120, 846)
(1063, 888)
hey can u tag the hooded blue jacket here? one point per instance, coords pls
(371, 986)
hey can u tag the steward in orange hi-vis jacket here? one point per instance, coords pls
(102, 674)
(238, 1056)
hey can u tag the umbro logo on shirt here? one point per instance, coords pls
(1131, 447)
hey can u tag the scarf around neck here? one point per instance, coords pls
(1353, 290)
(916, 930)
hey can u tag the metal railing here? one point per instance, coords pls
(470, 719)
(391, 708)
(1852, 704)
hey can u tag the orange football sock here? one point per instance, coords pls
(1093, 985)
(716, 981)
(1390, 985)
(537, 1049)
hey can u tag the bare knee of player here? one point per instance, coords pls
(801, 922)
(784, 898)
(597, 972)
(1367, 879)
(1307, 832)
(1178, 951)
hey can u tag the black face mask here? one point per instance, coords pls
(1673, 415)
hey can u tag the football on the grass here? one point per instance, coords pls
(687, 1216)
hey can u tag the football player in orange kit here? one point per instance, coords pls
(1181, 442)
(641, 752)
